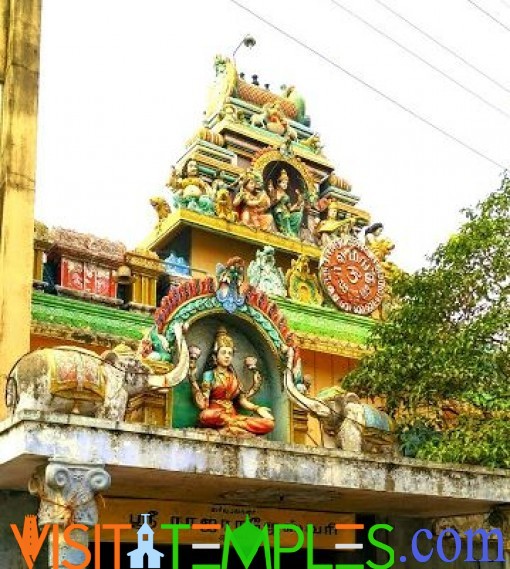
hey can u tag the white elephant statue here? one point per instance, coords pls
(346, 421)
(74, 380)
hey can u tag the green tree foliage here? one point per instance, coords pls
(446, 344)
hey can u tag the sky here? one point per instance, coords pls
(123, 85)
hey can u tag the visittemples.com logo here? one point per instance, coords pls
(244, 542)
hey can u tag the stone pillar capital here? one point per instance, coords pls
(68, 491)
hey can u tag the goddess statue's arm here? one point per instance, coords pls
(245, 403)
(200, 394)
(256, 381)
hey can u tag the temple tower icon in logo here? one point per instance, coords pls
(145, 548)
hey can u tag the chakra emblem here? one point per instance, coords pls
(352, 276)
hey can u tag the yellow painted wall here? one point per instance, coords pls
(19, 73)
(208, 249)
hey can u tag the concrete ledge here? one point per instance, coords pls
(149, 459)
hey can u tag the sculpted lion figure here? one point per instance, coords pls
(161, 207)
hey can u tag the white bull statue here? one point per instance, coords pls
(74, 380)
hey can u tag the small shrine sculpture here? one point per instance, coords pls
(230, 279)
(381, 247)
(265, 275)
(302, 284)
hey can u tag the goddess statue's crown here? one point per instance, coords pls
(223, 340)
(283, 175)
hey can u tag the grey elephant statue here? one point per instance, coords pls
(73, 380)
(346, 421)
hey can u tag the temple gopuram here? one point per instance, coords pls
(197, 379)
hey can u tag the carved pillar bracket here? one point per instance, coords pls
(68, 491)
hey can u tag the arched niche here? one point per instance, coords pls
(272, 172)
(269, 162)
(250, 339)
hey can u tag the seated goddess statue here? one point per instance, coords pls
(190, 191)
(220, 394)
(331, 228)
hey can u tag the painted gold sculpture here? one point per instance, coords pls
(381, 247)
(302, 284)
(161, 207)
(223, 204)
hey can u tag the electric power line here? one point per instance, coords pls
(401, 106)
(489, 15)
(442, 45)
(423, 60)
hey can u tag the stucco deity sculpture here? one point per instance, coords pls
(331, 228)
(190, 190)
(223, 205)
(381, 247)
(161, 207)
(220, 394)
(287, 216)
(253, 204)
(314, 143)
(265, 275)
(273, 119)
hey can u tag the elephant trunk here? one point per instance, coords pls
(179, 372)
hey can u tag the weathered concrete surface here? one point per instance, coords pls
(197, 466)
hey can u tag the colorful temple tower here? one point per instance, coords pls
(198, 377)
